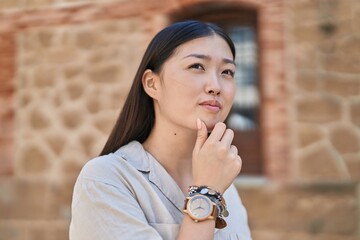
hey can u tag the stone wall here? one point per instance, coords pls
(325, 85)
(321, 201)
(65, 72)
(66, 66)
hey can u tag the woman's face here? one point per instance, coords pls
(197, 81)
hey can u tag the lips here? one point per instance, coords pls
(211, 105)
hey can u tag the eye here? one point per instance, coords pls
(229, 72)
(197, 66)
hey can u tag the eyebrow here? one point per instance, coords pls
(206, 57)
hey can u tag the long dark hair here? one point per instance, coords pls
(137, 117)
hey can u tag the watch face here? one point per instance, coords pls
(200, 207)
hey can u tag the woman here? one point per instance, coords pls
(167, 168)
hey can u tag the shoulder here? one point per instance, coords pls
(114, 166)
(106, 168)
(110, 163)
(95, 167)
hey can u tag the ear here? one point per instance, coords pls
(150, 81)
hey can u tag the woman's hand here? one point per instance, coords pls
(215, 160)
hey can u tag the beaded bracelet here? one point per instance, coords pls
(205, 190)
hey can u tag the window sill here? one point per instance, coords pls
(251, 181)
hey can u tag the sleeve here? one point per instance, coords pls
(102, 211)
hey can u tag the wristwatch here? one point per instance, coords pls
(199, 208)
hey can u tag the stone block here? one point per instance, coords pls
(22, 199)
(285, 235)
(308, 81)
(345, 139)
(319, 164)
(105, 74)
(10, 4)
(11, 232)
(37, 234)
(356, 18)
(71, 167)
(341, 86)
(323, 210)
(47, 230)
(92, 103)
(39, 3)
(87, 141)
(319, 109)
(32, 160)
(60, 233)
(355, 113)
(28, 42)
(6, 157)
(307, 33)
(345, 59)
(72, 117)
(59, 199)
(305, 55)
(101, 55)
(301, 212)
(56, 141)
(39, 119)
(265, 208)
(62, 55)
(353, 165)
(343, 9)
(46, 38)
(44, 76)
(329, 41)
(75, 90)
(86, 39)
(73, 71)
(309, 134)
(303, 11)
(105, 122)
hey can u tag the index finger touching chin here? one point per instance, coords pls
(218, 132)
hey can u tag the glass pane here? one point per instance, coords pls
(244, 115)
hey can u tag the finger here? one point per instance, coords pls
(234, 149)
(201, 135)
(218, 132)
(240, 161)
(227, 137)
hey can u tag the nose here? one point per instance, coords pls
(213, 86)
(215, 93)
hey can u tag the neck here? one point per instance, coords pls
(172, 147)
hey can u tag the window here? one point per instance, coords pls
(244, 118)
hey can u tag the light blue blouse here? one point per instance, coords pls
(129, 195)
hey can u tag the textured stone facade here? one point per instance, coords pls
(326, 89)
(66, 67)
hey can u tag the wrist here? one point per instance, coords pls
(211, 186)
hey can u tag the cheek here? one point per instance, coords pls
(178, 90)
(230, 91)
(184, 84)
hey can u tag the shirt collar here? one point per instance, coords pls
(143, 161)
(135, 154)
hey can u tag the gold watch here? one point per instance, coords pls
(200, 207)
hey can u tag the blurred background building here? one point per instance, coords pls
(67, 65)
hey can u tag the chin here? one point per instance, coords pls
(210, 125)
